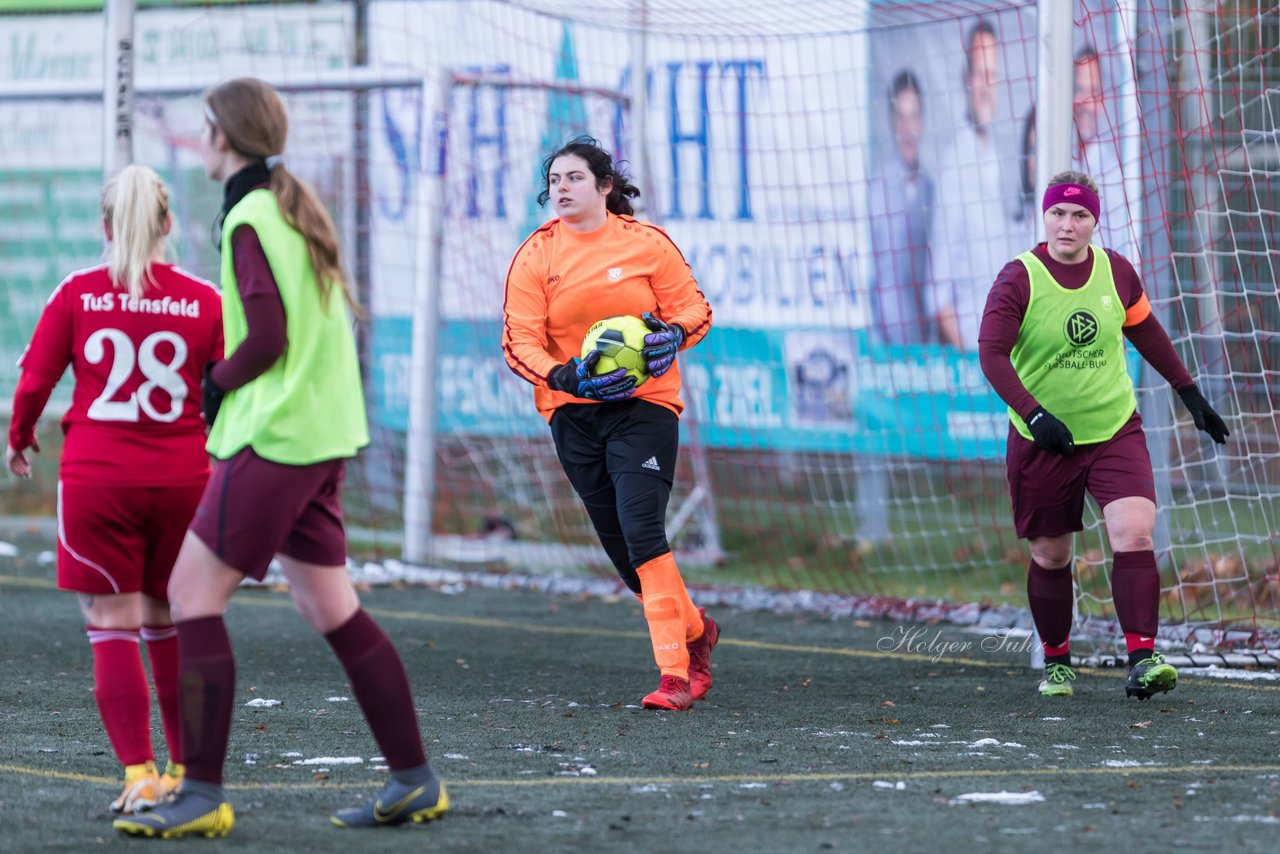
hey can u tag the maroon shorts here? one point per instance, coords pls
(1048, 490)
(121, 539)
(254, 509)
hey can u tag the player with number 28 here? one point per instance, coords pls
(136, 332)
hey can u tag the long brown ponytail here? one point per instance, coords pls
(252, 116)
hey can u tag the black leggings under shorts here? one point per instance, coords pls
(621, 460)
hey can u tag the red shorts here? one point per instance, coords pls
(254, 509)
(121, 539)
(1047, 490)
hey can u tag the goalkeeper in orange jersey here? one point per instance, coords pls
(616, 441)
(1052, 346)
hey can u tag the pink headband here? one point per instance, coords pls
(1076, 194)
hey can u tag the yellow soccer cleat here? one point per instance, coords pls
(398, 803)
(187, 814)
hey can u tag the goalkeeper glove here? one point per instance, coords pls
(574, 377)
(1049, 433)
(661, 345)
(210, 395)
(1203, 414)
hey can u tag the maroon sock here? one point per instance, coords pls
(1135, 588)
(162, 649)
(120, 688)
(381, 688)
(206, 694)
(1049, 592)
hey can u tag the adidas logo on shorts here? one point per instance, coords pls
(651, 464)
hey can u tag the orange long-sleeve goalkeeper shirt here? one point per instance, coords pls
(562, 281)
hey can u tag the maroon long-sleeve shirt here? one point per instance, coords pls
(1007, 306)
(263, 312)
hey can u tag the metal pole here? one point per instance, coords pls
(638, 149)
(362, 239)
(1157, 40)
(1209, 234)
(1055, 126)
(700, 502)
(420, 448)
(117, 89)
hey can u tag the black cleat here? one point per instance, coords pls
(1150, 676)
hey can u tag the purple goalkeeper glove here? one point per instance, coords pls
(661, 345)
(574, 377)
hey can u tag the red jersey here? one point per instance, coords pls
(135, 409)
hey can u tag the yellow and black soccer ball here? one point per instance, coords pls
(619, 340)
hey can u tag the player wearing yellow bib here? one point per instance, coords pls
(287, 411)
(1052, 346)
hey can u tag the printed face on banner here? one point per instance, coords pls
(983, 77)
(1086, 100)
(948, 207)
(908, 126)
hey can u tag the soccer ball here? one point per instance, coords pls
(619, 339)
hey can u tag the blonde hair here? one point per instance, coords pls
(135, 206)
(252, 116)
(1074, 178)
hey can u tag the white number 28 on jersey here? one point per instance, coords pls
(160, 375)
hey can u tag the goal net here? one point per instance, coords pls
(844, 178)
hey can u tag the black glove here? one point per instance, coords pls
(210, 395)
(1204, 415)
(661, 345)
(1050, 433)
(574, 377)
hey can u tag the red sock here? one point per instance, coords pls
(1051, 597)
(382, 689)
(120, 687)
(162, 649)
(1136, 642)
(1052, 651)
(1135, 589)
(206, 696)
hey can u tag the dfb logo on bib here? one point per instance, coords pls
(1081, 328)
